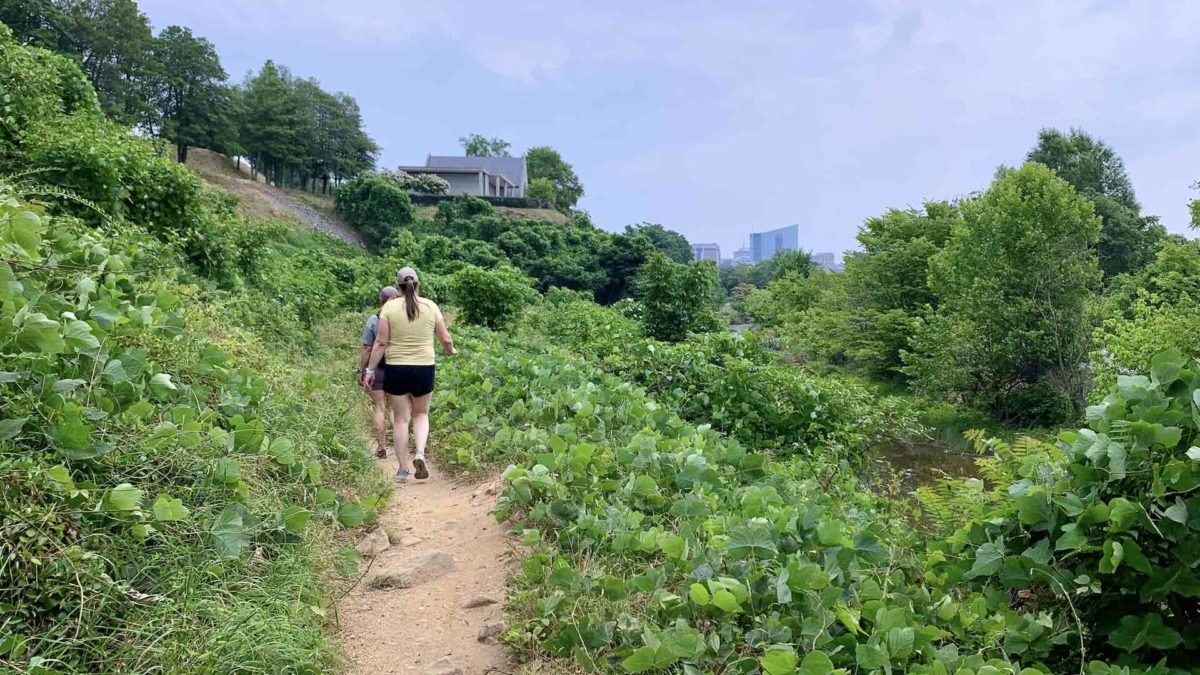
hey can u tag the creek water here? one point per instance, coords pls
(915, 464)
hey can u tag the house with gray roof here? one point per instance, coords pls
(477, 176)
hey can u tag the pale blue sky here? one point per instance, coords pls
(718, 118)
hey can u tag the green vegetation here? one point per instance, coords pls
(179, 456)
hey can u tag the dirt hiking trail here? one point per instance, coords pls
(432, 600)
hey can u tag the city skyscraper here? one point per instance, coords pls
(764, 245)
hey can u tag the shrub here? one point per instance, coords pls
(376, 207)
(492, 298)
(677, 299)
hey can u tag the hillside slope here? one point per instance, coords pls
(265, 201)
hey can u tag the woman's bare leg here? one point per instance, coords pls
(401, 413)
(379, 407)
(420, 418)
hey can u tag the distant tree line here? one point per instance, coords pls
(172, 86)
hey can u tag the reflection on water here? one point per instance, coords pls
(916, 464)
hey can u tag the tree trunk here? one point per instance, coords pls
(181, 153)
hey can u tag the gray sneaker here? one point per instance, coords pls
(402, 476)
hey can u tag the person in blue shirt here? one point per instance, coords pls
(374, 389)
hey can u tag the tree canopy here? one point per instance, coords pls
(475, 145)
(672, 244)
(1094, 169)
(545, 164)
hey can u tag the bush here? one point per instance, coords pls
(492, 298)
(376, 207)
(677, 299)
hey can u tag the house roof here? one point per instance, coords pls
(512, 168)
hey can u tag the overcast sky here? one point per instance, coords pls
(717, 118)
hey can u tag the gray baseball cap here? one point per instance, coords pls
(406, 273)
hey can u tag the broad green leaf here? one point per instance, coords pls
(870, 657)
(1165, 367)
(987, 560)
(281, 449)
(1121, 514)
(228, 531)
(73, 436)
(725, 602)
(699, 594)
(124, 498)
(11, 427)
(1177, 512)
(351, 514)
(1137, 630)
(1071, 540)
(24, 229)
(226, 472)
(41, 334)
(672, 545)
(168, 509)
(162, 386)
(816, 663)
(59, 474)
(779, 661)
(747, 541)
(640, 661)
(79, 335)
(295, 518)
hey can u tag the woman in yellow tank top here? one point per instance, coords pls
(407, 326)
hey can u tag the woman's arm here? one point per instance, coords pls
(382, 335)
(443, 336)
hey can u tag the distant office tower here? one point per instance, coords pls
(764, 245)
(741, 256)
(707, 252)
(828, 261)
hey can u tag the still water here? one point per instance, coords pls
(916, 464)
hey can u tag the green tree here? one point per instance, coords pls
(1094, 169)
(887, 285)
(37, 22)
(111, 39)
(677, 298)
(475, 145)
(187, 90)
(672, 244)
(1009, 333)
(541, 189)
(270, 122)
(545, 162)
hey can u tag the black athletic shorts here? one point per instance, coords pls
(416, 381)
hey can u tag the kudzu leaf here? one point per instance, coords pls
(1193, 454)
(778, 661)
(73, 436)
(699, 594)
(987, 560)
(725, 602)
(1121, 514)
(641, 660)
(228, 532)
(79, 335)
(281, 449)
(41, 334)
(1071, 540)
(351, 514)
(121, 499)
(169, 509)
(11, 427)
(1177, 512)
(161, 385)
(295, 519)
(24, 229)
(870, 657)
(816, 663)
